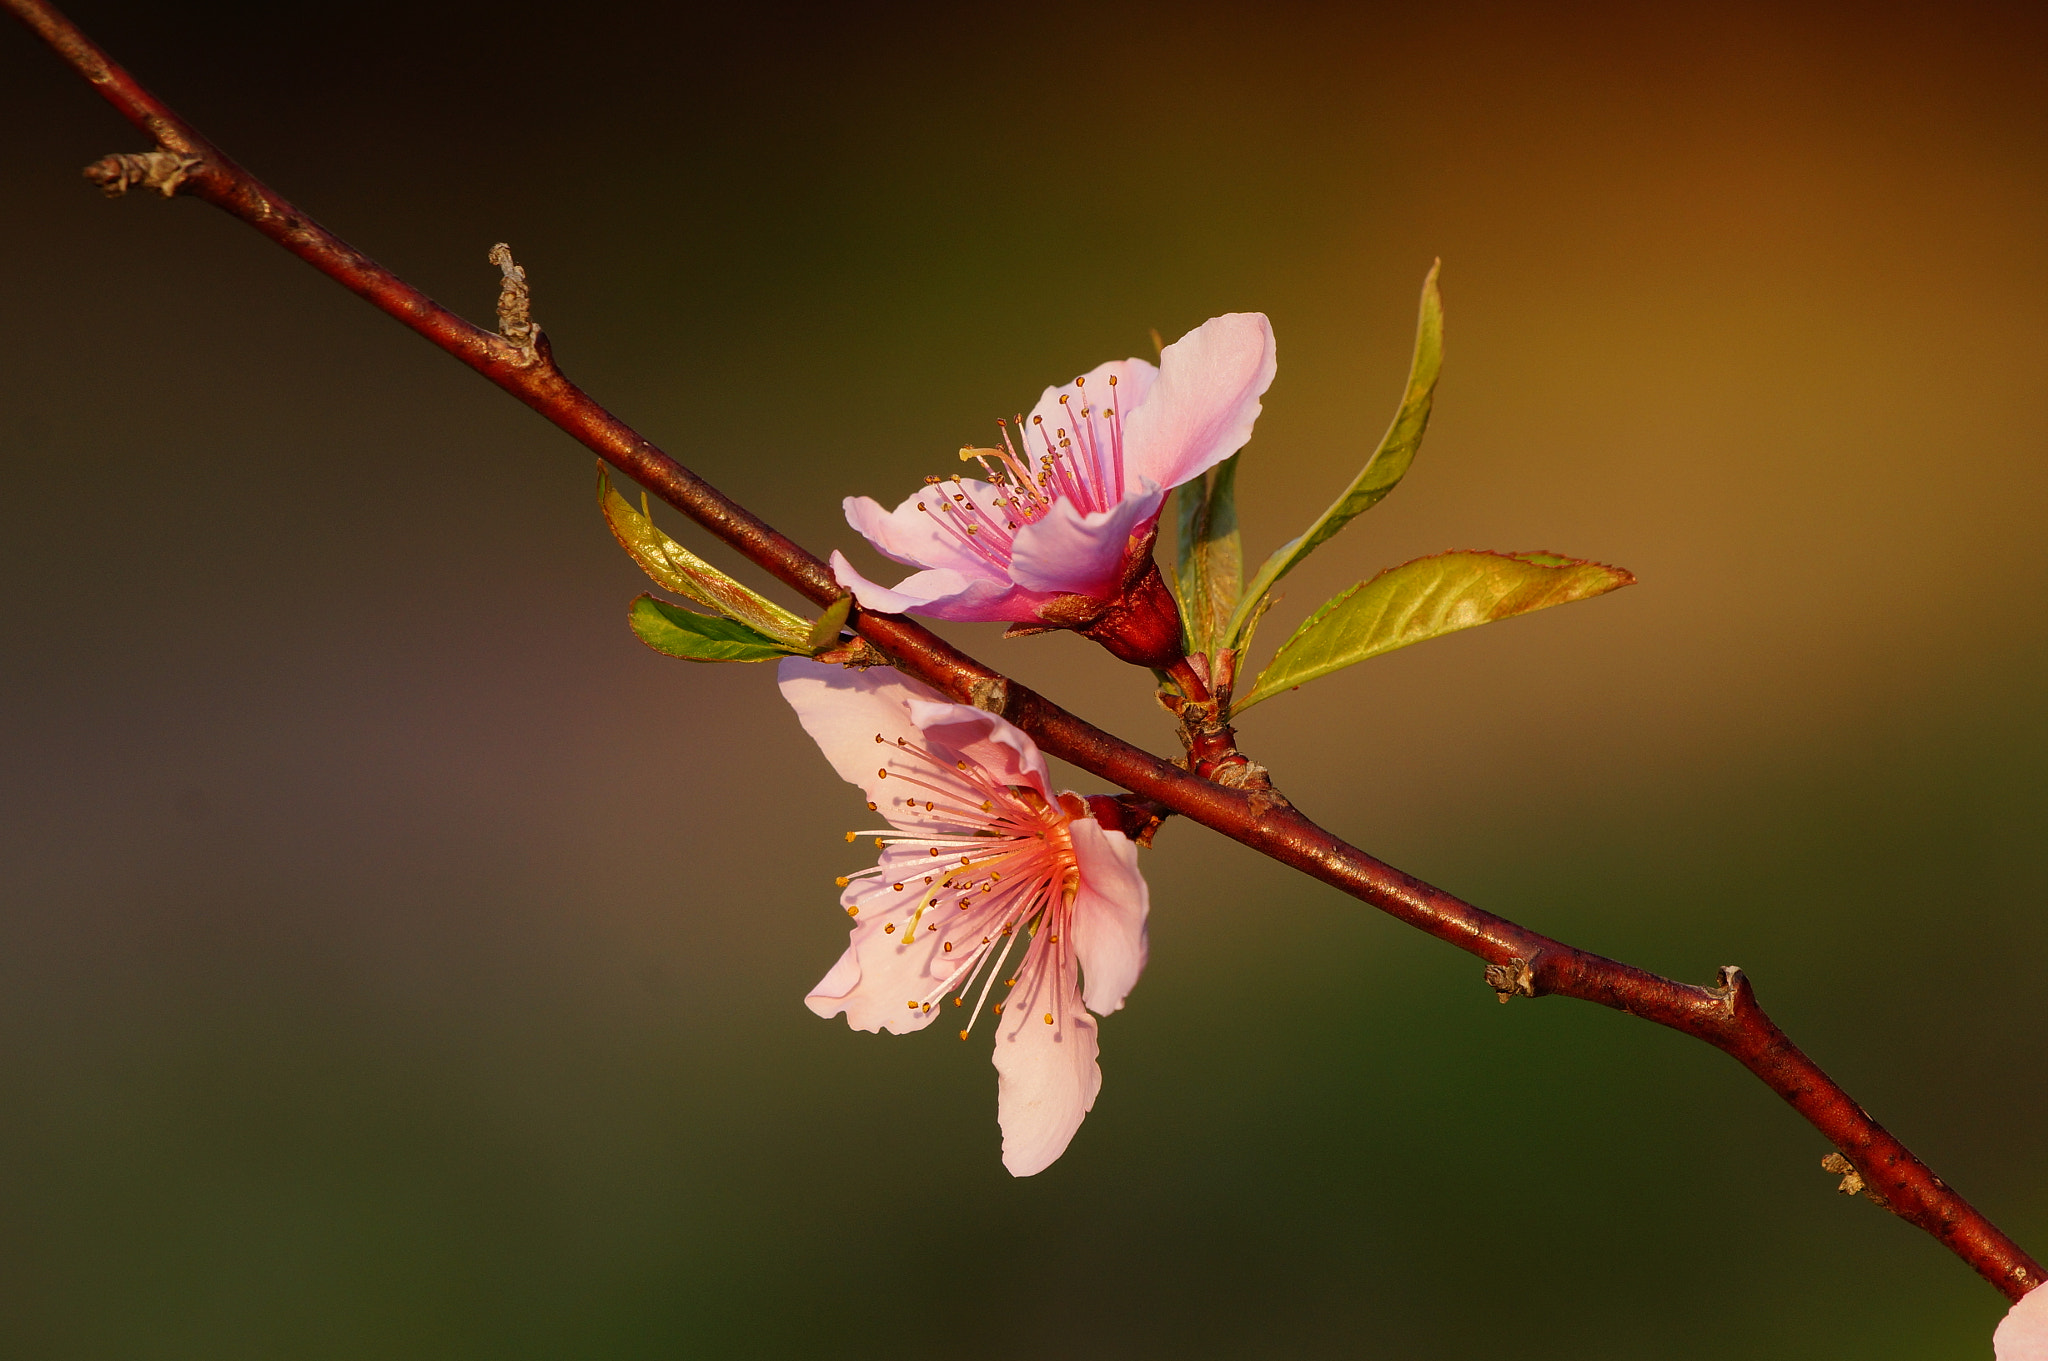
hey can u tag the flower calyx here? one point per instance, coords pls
(1140, 624)
(1136, 816)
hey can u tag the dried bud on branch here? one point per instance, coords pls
(160, 170)
(515, 301)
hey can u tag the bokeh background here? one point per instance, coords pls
(398, 960)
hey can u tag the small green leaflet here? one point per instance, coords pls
(1425, 599)
(1209, 571)
(825, 633)
(678, 569)
(1382, 472)
(677, 632)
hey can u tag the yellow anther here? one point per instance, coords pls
(927, 1006)
(890, 929)
(949, 947)
(853, 912)
(851, 835)
(842, 881)
(899, 889)
(881, 774)
(1048, 1018)
(963, 1034)
(957, 1001)
(911, 1005)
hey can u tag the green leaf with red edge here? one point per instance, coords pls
(1423, 599)
(1209, 564)
(676, 568)
(1382, 472)
(676, 632)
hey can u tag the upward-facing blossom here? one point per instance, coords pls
(1064, 523)
(981, 862)
(2023, 1333)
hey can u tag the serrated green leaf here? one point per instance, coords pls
(825, 633)
(1209, 567)
(1382, 472)
(677, 632)
(1425, 599)
(678, 569)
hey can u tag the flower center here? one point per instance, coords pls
(1080, 458)
(973, 860)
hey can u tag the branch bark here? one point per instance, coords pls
(1519, 962)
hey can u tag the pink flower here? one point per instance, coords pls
(2023, 1334)
(1066, 521)
(979, 858)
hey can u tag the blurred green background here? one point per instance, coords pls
(396, 959)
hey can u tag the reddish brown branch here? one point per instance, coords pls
(1519, 962)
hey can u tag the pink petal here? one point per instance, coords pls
(844, 711)
(914, 537)
(1047, 1075)
(983, 739)
(1082, 554)
(1109, 914)
(2023, 1334)
(1134, 380)
(884, 972)
(1201, 410)
(942, 593)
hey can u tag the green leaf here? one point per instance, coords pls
(1382, 472)
(678, 569)
(1209, 570)
(825, 633)
(1424, 599)
(677, 632)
